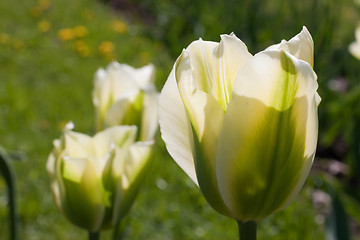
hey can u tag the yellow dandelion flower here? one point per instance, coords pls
(44, 26)
(106, 47)
(106, 50)
(80, 31)
(82, 48)
(65, 34)
(4, 38)
(119, 26)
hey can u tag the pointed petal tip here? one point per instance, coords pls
(228, 36)
(69, 126)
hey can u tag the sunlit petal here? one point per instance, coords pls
(176, 128)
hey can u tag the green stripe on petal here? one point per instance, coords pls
(206, 117)
(88, 213)
(73, 168)
(206, 108)
(286, 86)
(269, 135)
(261, 157)
(201, 58)
(228, 58)
(276, 78)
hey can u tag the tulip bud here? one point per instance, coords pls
(124, 95)
(243, 127)
(95, 179)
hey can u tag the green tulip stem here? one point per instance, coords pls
(247, 230)
(94, 235)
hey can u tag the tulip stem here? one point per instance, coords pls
(247, 230)
(94, 235)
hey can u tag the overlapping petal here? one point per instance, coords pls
(92, 177)
(119, 97)
(269, 135)
(245, 123)
(129, 169)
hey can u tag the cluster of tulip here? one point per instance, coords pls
(243, 127)
(95, 179)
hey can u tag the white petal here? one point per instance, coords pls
(200, 55)
(122, 79)
(145, 76)
(101, 88)
(229, 56)
(130, 166)
(175, 127)
(149, 122)
(74, 168)
(121, 136)
(300, 46)
(206, 117)
(138, 156)
(78, 145)
(51, 164)
(281, 79)
(354, 49)
(116, 113)
(269, 135)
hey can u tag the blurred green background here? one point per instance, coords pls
(50, 50)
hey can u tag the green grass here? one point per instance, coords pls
(45, 82)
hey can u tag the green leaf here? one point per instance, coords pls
(7, 172)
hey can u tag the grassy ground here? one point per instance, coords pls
(46, 78)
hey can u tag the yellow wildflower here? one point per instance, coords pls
(80, 31)
(106, 50)
(65, 34)
(4, 38)
(119, 26)
(44, 26)
(106, 47)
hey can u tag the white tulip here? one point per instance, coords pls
(124, 95)
(95, 179)
(243, 127)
